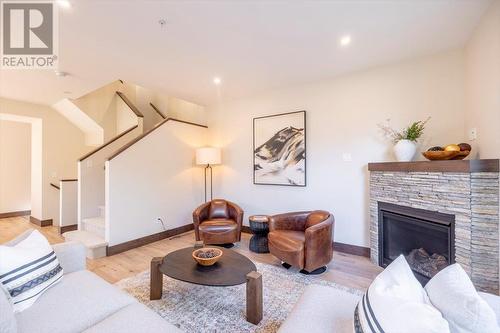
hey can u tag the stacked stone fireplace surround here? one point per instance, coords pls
(469, 190)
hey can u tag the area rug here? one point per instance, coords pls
(202, 309)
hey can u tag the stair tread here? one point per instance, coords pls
(98, 220)
(89, 239)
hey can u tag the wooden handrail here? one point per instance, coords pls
(130, 105)
(107, 143)
(158, 111)
(55, 186)
(138, 138)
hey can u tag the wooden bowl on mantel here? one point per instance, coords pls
(461, 155)
(445, 155)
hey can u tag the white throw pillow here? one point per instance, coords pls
(8, 322)
(27, 269)
(395, 302)
(451, 291)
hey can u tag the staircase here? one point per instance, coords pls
(92, 235)
(94, 175)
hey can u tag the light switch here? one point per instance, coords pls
(347, 157)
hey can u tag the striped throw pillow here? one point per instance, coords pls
(395, 302)
(27, 269)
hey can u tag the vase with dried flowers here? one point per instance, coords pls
(405, 141)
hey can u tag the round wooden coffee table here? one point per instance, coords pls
(230, 270)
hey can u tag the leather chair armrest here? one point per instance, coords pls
(319, 242)
(200, 214)
(236, 213)
(289, 221)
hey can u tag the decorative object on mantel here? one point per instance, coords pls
(279, 149)
(405, 141)
(449, 152)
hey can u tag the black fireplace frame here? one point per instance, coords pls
(440, 219)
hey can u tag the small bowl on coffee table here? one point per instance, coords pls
(207, 256)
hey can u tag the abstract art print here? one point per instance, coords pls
(279, 149)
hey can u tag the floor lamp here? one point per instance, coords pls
(208, 156)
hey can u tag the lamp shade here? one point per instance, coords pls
(208, 155)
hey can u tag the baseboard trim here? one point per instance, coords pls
(115, 249)
(246, 229)
(339, 247)
(15, 214)
(352, 249)
(67, 228)
(41, 223)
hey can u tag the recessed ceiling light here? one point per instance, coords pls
(60, 73)
(345, 40)
(64, 3)
(217, 80)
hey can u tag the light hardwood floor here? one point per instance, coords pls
(348, 270)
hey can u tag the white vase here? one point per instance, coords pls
(405, 150)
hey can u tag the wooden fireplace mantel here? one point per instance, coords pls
(465, 166)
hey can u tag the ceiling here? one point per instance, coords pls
(253, 46)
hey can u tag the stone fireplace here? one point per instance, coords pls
(437, 213)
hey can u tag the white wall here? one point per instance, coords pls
(342, 117)
(482, 64)
(41, 196)
(15, 166)
(184, 110)
(91, 176)
(94, 133)
(155, 177)
(143, 98)
(100, 105)
(68, 203)
(125, 117)
(169, 106)
(62, 145)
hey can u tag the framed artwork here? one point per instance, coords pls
(279, 149)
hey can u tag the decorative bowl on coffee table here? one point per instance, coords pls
(207, 256)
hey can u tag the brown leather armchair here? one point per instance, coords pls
(218, 222)
(302, 239)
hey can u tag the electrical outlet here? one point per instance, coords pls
(160, 220)
(472, 134)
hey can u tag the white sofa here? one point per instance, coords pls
(325, 309)
(81, 302)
